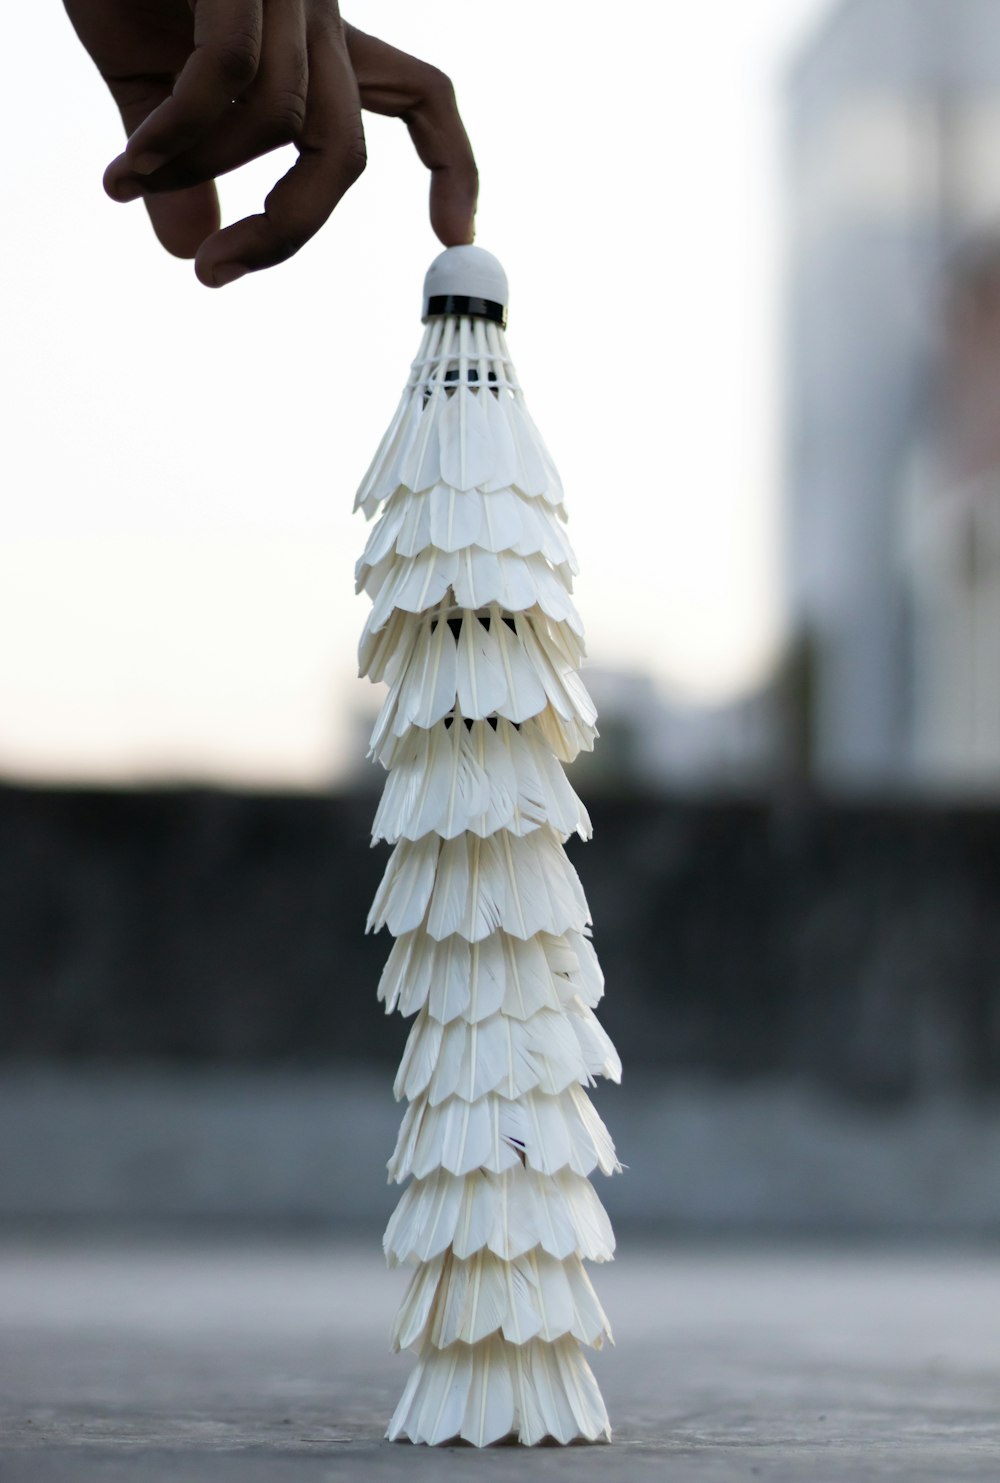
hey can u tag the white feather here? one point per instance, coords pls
(481, 681)
(383, 476)
(530, 984)
(466, 897)
(426, 689)
(486, 978)
(420, 1057)
(566, 692)
(386, 655)
(406, 887)
(454, 1300)
(416, 1309)
(596, 1050)
(532, 478)
(548, 1133)
(384, 538)
(513, 583)
(381, 479)
(470, 1302)
(522, 885)
(544, 794)
(411, 584)
(543, 530)
(506, 524)
(508, 1213)
(486, 741)
(500, 973)
(505, 469)
(572, 959)
(553, 492)
(414, 528)
(442, 975)
(482, 1393)
(498, 1054)
(474, 577)
(555, 1132)
(490, 672)
(566, 738)
(464, 1392)
(433, 1213)
(440, 784)
(564, 647)
(452, 520)
(467, 455)
(557, 1395)
(453, 978)
(420, 459)
(526, 692)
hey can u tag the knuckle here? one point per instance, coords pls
(287, 113)
(356, 162)
(438, 85)
(237, 59)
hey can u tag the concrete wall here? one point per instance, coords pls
(855, 949)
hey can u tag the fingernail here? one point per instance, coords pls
(125, 190)
(228, 273)
(146, 163)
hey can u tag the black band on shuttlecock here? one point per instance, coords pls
(439, 304)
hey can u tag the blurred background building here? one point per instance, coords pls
(893, 355)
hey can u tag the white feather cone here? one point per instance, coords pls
(500, 973)
(476, 778)
(550, 1051)
(548, 1133)
(474, 579)
(507, 1214)
(485, 1392)
(475, 634)
(466, 435)
(535, 1296)
(474, 887)
(450, 520)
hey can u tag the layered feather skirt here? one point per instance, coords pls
(474, 632)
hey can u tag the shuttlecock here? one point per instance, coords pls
(474, 632)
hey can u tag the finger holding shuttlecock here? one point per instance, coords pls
(474, 632)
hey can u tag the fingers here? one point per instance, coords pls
(252, 84)
(183, 220)
(331, 149)
(394, 83)
(271, 113)
(223, 64)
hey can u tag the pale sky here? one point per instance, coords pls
(178, 466)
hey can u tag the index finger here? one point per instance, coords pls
(227, 41)
(394, 83)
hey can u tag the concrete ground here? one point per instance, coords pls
(233, 1363)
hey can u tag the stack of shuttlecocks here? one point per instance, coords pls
(474, 631)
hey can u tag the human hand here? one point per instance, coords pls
(203, 86)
